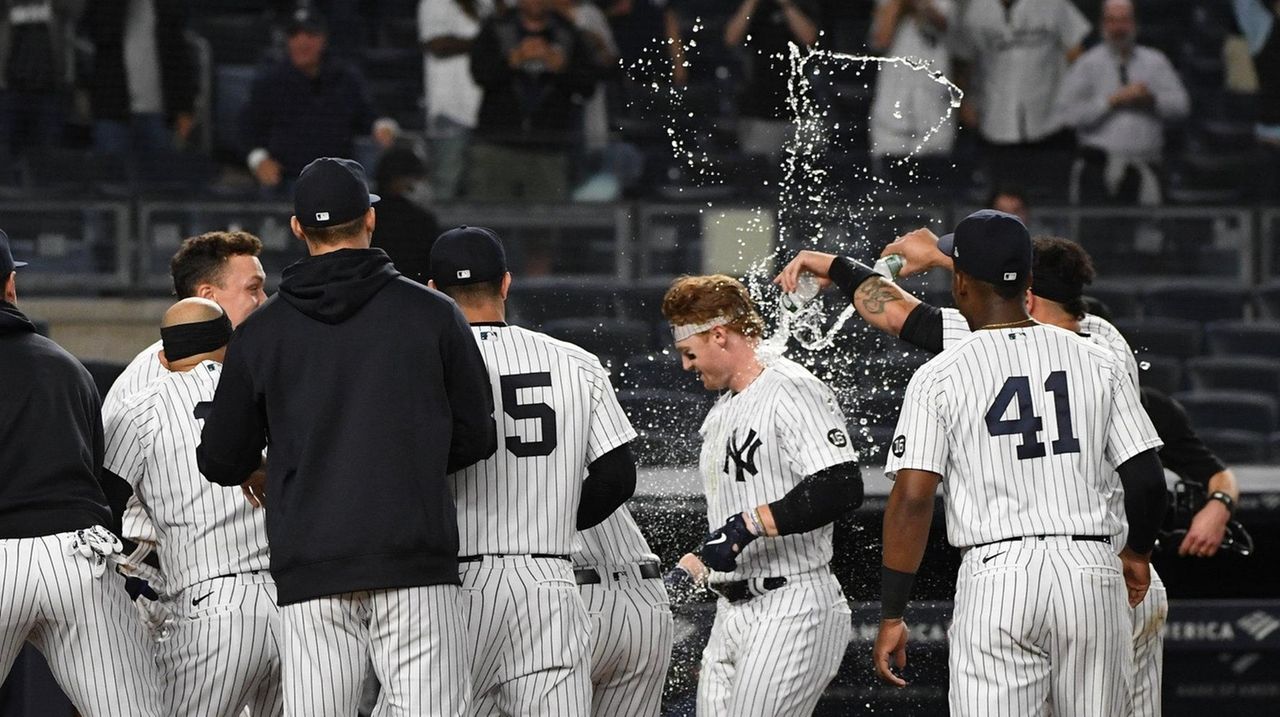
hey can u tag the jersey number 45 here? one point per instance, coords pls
(1028, 424)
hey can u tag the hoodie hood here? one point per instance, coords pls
(13, 321)
(333, 287)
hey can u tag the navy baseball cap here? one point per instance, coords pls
(7, 264)
(467, 255)
(331, 191)
(306, 20)
(990, 245)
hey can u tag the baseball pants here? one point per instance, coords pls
(1148, 649)
(84, 625)
(631, 638)
(223, 652)
(774, 654)
(1041, 621)
(416, 639)
(528, 636)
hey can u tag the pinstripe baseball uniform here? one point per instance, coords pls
(1041, 612)
(631, 626)
(223, 655)
(517, 516)
(1149, 616)
(763, 658)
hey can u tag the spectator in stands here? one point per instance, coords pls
(446, 29)
(1259, 21)
(406, 229)
(307, 106)
(594, 26)
(37, 69)
(1118, 97)
(765, 121)
(648, 36)
(144, 83)
(1010, 200)
(909, 104)
(536, 70)
(1012, 56)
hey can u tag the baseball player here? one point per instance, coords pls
(373, 391)
(220, 266)
(212, 542)
(563, 464)
(55, 589)
(1028, 493)
(777, 468)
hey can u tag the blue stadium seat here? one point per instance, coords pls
(1167, 337)
(1163, 373)
(1234, 446)
(1123, 298)
(1238, 410)
(1196, 301)
(1241, 373)
(609, 339)
(1244, 338)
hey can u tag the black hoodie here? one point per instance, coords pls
(368, 388)
(50, 436)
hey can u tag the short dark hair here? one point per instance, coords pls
(335, 233)
(202, 259)
(474, 293)
(1067, 263)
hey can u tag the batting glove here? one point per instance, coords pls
(681, 585)
(721, 549)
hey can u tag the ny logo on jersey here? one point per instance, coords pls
(742, 454)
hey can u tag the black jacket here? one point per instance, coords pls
(367, 389)
(109, 87)
(50, 436)
(406, 232)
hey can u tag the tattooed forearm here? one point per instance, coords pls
(875, 294)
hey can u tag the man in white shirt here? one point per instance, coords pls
(1118, 97)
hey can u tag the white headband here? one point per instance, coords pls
(680, 332)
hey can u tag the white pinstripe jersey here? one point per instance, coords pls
(1097, 329)
(756, 446)
(205, 530)
(616, 541)
(556, 413)
(141, 371)
(1026, 426)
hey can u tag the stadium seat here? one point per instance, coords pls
(1163, 373)
(1269, 299)
(667, 423)
(1244, 338)
(609, 339)
(643, 300)
(239, 39)
(1273, 445)
(72, 172)
(182, 174)
(104, 373)
(1123, 298)
(1167, 337)
(1196, 301)
(1239, 410)
(1234, 447)
(1241, 373)
(537, 301)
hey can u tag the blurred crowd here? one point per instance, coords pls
(1135, 102)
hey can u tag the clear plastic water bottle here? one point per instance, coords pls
(890, 266)
(806, 289)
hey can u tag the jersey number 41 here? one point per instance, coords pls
(1028, 424)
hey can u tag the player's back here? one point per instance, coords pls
(1030, 416)
(524, 498)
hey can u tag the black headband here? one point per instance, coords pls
(1054, 289)
(201, 337)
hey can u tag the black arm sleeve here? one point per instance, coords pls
(923, 328)
(235, 431)
(117, 490)
(1183, 452)
(1145, 498)
(818, 499)
(848, 274)
(611, 480)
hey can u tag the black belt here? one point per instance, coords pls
(478, 558)
(1078, 538)
(591, 576)
(740, 590)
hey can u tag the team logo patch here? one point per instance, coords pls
(464, 274)
(322, 216)
(743, 455)
(837, 438)
(1010, 275)
(899, 446)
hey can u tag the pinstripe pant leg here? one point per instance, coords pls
(223, 654)
(718, 672)
(419, 649)
(550, 638)
(324, 646)
(1001, 619)
(485, 605)
(20, 599)
(1148, 649)
(96, 647)
(797, 640)
(632, 636)
(1093, 643)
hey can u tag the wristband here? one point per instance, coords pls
(1225, 499)
(848, 274)
(757, 525)
(895, 590)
